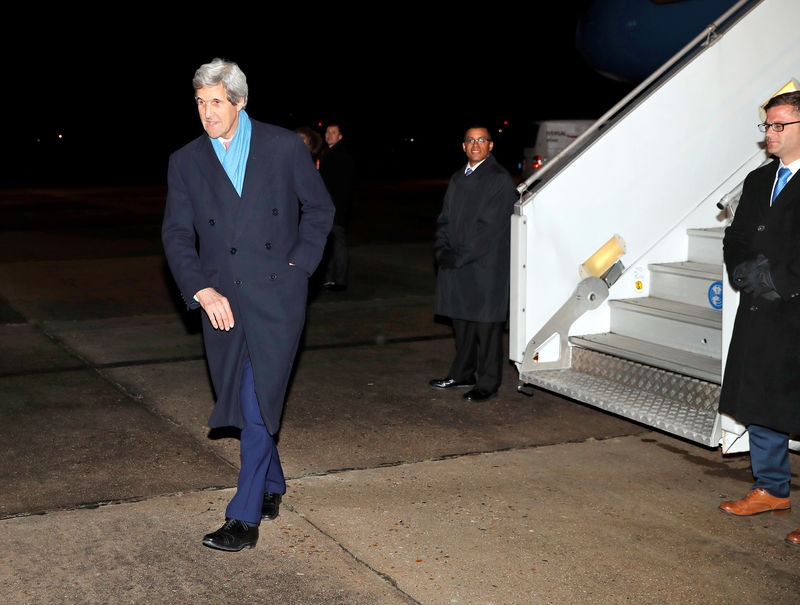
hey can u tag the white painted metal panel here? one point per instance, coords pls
(659, 171)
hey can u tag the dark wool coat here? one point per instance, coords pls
(244, 249)
(337, 169)
(475, 224)
(762, 373)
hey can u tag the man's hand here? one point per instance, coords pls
(447, 259)
(216, 307)
(753, 277)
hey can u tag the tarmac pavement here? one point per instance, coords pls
(397, 493)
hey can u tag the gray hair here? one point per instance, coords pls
(226, 73)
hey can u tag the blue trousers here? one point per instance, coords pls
(261, 470)
(769, 457)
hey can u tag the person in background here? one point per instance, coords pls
(472, 249)
(338, 172)
(312, 140)
(761, 247)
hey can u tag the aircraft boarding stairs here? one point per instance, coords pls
(660, 363)
(648, 340)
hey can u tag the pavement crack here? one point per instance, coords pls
(113, 502)
(86, 363)
(383, 575)
(454, 456)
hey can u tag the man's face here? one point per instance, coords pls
(332, 135)
(475, 150)
(785, 144)
(220, 117)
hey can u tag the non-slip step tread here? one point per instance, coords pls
(712, 232)
(649, 353)
(689, 268)
(650, 409)
(672, 309)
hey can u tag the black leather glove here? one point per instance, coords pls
(447, 259)
(753, 277)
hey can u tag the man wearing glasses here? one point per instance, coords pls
(472, 245)
(761, 387)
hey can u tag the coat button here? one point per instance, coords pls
(275, 211)
(233, 250)
(754, 307)
(211, 222)
(238, 282)
(268, 246)
(760, 228)
(273, 276)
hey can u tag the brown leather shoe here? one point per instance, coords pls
(757, 501)
(794, 537)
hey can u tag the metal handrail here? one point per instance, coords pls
(709, 33)
(730, 200)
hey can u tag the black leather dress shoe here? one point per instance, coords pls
(233, 536)
(450, 383)
(478, 395)
(269, 509)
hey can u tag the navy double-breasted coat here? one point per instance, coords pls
(762, 372)
(243, 247)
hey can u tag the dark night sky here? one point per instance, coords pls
(121, 96)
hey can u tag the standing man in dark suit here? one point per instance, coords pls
(236, 189)
(761, 387)
(472, 247)
(338, 171)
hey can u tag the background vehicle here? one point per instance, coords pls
(552, 137)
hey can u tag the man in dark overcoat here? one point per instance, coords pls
(337, 169)
(761, 386)
(245, 225)
(472, 248)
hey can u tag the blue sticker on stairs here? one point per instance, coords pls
(715, 294)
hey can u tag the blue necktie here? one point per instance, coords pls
(468, 171)
(783, 176)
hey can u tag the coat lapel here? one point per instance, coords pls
(223, 193)
(256, 174)
(214, 173)
(791, 191)
(258, 157)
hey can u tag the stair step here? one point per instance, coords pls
(652, 354)
(669, 323)
(665, 400)
(690, 282)
(705, 245)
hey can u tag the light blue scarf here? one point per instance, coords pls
(234, 160)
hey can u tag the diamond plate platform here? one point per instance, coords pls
(674, 403)
(652, 354)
